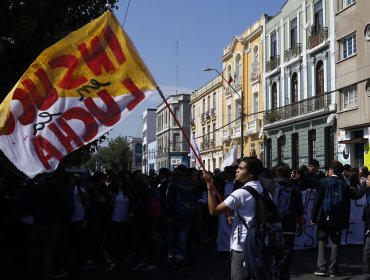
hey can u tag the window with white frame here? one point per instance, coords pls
(238, 67)
(349, 97)
(255, 105)
(238, 111)
(318, 17)
(228, 114)
(347, 3)
(348, 46)
(273, 45)
(293, 33)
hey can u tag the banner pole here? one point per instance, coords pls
(186, 137)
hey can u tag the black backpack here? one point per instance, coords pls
(266, 221)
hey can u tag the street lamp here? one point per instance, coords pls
(242, 109)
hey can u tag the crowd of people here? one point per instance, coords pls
(59, 223)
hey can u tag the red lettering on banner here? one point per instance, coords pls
(51, 94)
(45, 151)
(112, 114)
(135, 91)
(91, 127)
(114, 45)
(70, 136)
(33, 92)
(29, 112)
(9, 125)
(70, 62)
(97, 58)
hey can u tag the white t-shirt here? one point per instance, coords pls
(120, 213)
(242, 201)
(79, 213)
(224, 229)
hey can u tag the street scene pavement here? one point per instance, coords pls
(210, 265)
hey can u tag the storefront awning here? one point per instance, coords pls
(354, 141)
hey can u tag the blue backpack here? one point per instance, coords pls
(333, 203)
(283, 200)
(185, 201)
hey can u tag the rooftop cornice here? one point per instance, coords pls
(252, 36)
(231, 48)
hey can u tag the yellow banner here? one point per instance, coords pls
(77, 66)
(74, 92)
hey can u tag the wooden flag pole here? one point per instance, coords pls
(186, 138)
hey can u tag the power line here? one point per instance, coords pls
(124, 19)
(264, 111)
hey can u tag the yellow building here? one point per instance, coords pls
(242, 67)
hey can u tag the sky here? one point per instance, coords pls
(177, 39)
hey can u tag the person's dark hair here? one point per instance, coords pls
(365, 171)
(254, 166)
(165, 172)
(181, 171)
(347, 167)
(314, 162)
(337, 167)
(99, 178)
(231, 169)
(282, 170)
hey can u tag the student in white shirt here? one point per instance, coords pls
(242, 202)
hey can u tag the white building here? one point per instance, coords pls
(149, 125)
(152, 156)
(136, 146)
(173, 148)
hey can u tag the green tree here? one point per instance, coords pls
(116, 156)
(27, 27)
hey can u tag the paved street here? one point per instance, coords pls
(211, 266)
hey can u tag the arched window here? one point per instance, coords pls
(238, 67)
(255, 64)
(274, 96)
(319, 78)
(229, 73)
(294, 89)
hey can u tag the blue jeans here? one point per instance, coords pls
(178, 233)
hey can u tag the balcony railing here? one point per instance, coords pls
(317, 38)
(255, 76)
(212, 143)
(202, 117)
(213, 113)
(176, 148)
(306, 106)
(238, 84)
(201, 146)
(192, 122)
(254, 126)
(226, 133)
(207, 114)
(237, 131)
(293, 52)
(273, 63)
(255, 71)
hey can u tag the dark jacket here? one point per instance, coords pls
(366, 216)
(311, 181)
(318, 215)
